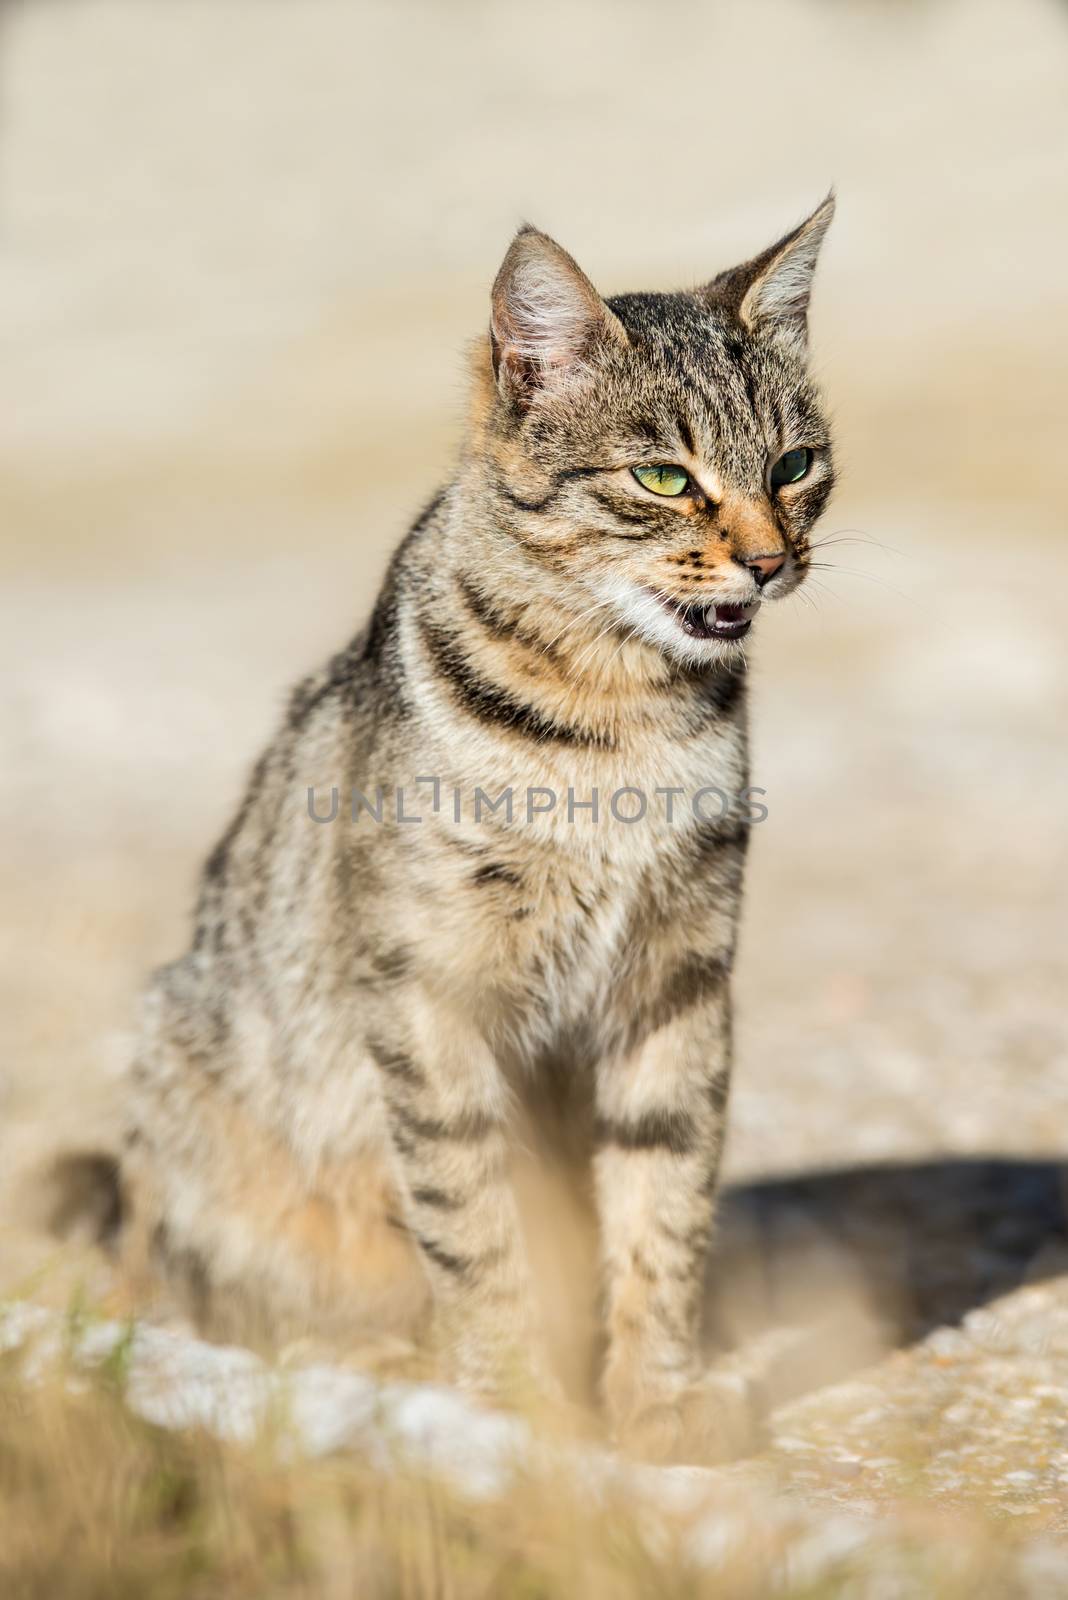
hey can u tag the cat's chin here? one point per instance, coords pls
(698, 655)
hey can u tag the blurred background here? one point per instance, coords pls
(243, 245)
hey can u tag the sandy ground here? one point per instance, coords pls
(243, 248)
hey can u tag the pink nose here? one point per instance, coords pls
(763, 567)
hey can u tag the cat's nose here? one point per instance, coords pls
(763, 567)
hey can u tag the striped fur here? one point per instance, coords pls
(322, 1110)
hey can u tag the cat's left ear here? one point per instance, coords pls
(770, 294)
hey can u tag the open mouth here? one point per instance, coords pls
(711, 621)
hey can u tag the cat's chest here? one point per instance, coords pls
(614, 817)
(546, 905)
(599, 885)
(572, 944)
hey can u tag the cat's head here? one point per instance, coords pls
(664, 456)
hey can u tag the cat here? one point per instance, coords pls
(322, 1114)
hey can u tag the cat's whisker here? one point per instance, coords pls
(591, 644)
(575, 622)
(869, 577)
(806, 596)
(576, 626)
(633, 632)
(852, 536)
(588, 652)
(816, 589)
(598, 605)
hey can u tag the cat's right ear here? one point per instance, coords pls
(547, 319)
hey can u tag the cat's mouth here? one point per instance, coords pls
(709, 620)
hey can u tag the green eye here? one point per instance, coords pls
(791, 467)
(662, 480)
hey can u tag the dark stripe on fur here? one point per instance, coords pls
(724, 689)
(696, 978)
(392, 964)
(718, 1094)
(653, 1130)
(395, 1064)
(527, 505)
(720, 837)
(558, 483)
(496, 872)
(466, 1129)
(643, 1268)
(489, 703)
(496, 625)
(692, 1239)
(438, 1199)
(459, 1266)
(635, 516)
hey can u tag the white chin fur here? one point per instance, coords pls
(646, 617)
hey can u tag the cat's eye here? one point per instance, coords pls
(662, 480)
(790, 467)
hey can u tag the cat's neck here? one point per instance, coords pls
(521, 628)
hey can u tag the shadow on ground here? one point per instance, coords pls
(850, 1264)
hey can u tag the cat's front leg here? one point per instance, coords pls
(446, 1104)
(661, 1113)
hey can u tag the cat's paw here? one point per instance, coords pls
(511, 1380)
(715, 1419)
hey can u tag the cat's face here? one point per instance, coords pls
(664, 455)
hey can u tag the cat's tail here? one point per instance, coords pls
(81, 1197)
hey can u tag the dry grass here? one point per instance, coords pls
(95, 1503)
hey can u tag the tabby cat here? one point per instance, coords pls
(473, 879)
